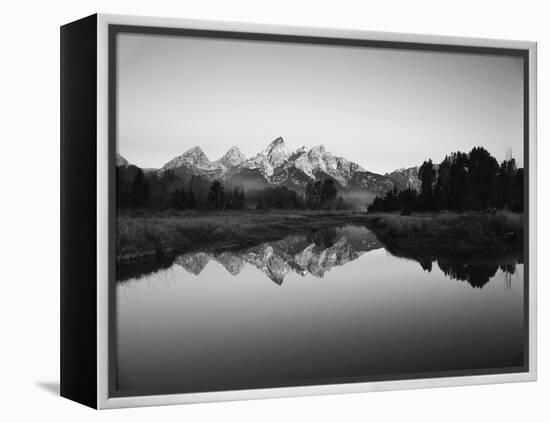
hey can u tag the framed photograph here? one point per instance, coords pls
(254, 211)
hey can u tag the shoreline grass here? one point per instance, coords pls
(146, 234)
(459, 234)
(143, 234)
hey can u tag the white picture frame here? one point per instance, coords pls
(104, 211)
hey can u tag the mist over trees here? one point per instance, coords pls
(136, 189)
(461, 182)
(319, 195)
(278, 198)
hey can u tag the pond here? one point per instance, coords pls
(331, 306)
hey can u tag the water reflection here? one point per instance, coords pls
(312, 254)
(318, 252)
(477, 275)
(215, 320)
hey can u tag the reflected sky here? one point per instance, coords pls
(341, 307)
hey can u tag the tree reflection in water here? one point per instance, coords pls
(318, 252)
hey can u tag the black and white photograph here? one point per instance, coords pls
(299, 213)
(275, 211)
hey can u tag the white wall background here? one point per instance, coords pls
(29, 224)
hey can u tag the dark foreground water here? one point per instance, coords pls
(330, 307)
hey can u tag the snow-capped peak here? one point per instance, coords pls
(318, 149)
(273, 156)
(317, 157)
(276, 152)
(275, 165)
(406, 178)
(233, 158)
(194, 156)
(278, 142)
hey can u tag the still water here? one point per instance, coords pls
(333, 306)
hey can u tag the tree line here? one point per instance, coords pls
(323, 195)
(319, 195)
(461, 182)
(137, 189)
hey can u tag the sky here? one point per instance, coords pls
(383, 109)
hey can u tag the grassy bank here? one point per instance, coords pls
(457, 234)
(146, 234)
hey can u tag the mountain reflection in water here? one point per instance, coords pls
(313, 254)
(318, 252)
(377, 312)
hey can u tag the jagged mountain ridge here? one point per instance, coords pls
(233, 158)
(406, 178)
(277, 166)
(195, 162)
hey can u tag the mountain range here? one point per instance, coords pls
(277, 166)
(406, 178)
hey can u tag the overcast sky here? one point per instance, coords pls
(383, 109)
